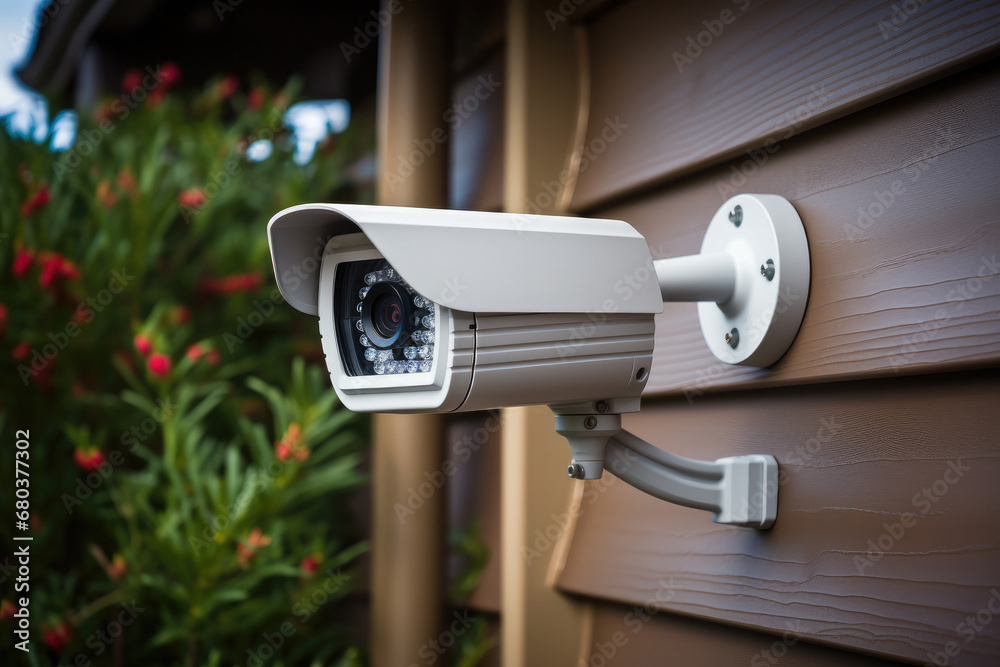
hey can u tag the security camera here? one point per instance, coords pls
(442, 311)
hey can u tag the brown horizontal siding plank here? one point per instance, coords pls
(778, 68)
(855, 457)
(916, 288)
(641, 637)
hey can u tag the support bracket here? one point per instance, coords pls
(751, 282)
(738, 490)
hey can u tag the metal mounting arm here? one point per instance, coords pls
(739, 490)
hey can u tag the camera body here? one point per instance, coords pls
(426, 310)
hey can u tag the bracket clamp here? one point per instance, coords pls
(738, 490)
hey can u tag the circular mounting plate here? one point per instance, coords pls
(764, 312)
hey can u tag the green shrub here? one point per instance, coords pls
(189, 470)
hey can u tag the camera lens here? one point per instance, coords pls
(386, 314)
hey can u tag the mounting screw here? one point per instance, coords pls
(736, 215)
(590, 422)
(767, 269)
(575, 471)
(733, 338)
(602, 406)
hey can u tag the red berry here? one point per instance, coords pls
(170, 73)
(192, 198)
(310, 564)
(255, 99)
(159, 364)
(131, 81)
(228, 86)
(143, 344)
(22, 263)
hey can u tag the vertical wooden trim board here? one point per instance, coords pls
(541, 626)
(408, 584)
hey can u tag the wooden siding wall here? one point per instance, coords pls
(861, 556)
(637, 636)
(880, 121)
(900, 205)
(882, 128)
(761, 70)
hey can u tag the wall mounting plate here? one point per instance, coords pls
(767, 241)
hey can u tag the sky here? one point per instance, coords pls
(17, 32)
(28, 111)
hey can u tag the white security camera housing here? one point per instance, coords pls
(526, 309)
(442, 311)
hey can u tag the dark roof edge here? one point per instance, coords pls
(59, 41)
